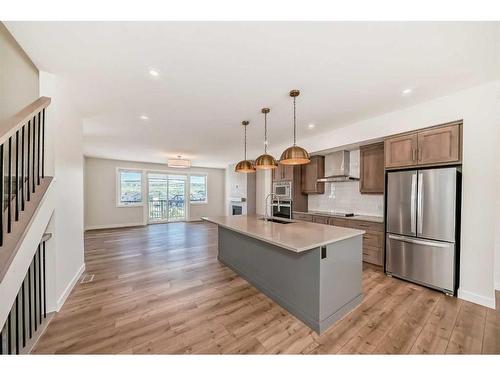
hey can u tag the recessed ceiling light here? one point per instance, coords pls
(154, 73)
(144, 117)
(311, 126)
(406, 91)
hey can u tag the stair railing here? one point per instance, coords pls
(22, 161)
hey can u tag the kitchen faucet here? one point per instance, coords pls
(266, 217)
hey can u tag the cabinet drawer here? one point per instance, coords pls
(371, 255)
(372, 239)
(338, 222)
(366, 226)
(320, 219)
(303, 217)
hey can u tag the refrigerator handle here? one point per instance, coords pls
(413, 199)
(418, 241)
(420, 200)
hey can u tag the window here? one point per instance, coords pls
(129, 188)
(198, 189)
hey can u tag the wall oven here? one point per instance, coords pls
(282, 209)
(283, 190)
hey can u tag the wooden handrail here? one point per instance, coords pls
(9, 126)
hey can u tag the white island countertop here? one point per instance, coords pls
(297, 236)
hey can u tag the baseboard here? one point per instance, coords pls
(476, 298)
(69, 288)
(111, 226)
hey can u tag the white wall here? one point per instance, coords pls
(479, 108)
(263, 188)
(100, 193)
(18, 76)
(64, 160)
(497, 230)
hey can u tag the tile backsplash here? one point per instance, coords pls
(345, 197)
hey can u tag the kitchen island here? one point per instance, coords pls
(312, 270)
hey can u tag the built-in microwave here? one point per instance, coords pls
(283, 190)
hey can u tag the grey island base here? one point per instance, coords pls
(312, 270)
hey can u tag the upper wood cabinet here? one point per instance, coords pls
(437, 145)
(371, 169)
(283, 172)
(440, 145)
(310, 174)
(401, 150)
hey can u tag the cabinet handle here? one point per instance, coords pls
(419, 154)
(414, 154)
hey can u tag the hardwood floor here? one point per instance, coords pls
(160, 289)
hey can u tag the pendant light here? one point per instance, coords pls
(294, 155)
(245, 166)
(265, 161)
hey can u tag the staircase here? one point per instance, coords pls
(23, 187)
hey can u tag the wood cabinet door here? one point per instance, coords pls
(310, 174)
(278, 173)
(287, 172)
(371, 172)
(400, 151)
(440, 145)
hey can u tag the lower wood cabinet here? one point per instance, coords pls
(373, 239)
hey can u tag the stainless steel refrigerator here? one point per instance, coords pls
(422, 223)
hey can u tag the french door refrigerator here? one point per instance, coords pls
(422, 223)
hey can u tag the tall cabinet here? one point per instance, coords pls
(292, 173)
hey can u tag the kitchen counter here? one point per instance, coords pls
(297, 236)
(312, 270)
(373, 219)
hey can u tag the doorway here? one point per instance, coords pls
(166, 197)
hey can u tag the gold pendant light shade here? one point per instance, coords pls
(245, 166)
(294, 155)
(265, 161)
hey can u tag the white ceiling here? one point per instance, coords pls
(215, 74)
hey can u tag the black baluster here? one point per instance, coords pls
(28, 163)
(2, 195)
(38, 152)
(9, 336)
(34, 146)
(22, 168)
(29, 300)
(23, 296)
(43, 143)
(34, 293)
(39, 284)
(17, 324)
(9, 189)
(1, 339)
(17, 177)
(44, 283)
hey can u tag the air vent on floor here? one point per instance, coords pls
(87, 278)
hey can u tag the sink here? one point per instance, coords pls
(279, 221)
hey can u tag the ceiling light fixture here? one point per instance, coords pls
(294, 155)
(311, 126)
(265, 161)
(154, 73)
(245, 166)
(179, 162)
(406, 91)
(144, 117)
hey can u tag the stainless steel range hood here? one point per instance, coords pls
(337, 168)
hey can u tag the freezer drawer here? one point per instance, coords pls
(430, 263)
